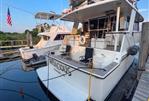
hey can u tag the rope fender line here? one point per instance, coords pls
(90, 65)
(36, 81)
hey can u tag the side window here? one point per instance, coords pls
(62, 37)
(113, 23)
(103, 23)
(59, 37)
(94, 24)
(46, 38)
(85, 26)
(136, 26)
(124, 23)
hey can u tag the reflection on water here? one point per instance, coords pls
(17, 85)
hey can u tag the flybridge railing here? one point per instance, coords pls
(76, 3)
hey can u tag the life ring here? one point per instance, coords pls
(82, 40)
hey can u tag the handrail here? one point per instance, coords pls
(41, 49)
(13, 42)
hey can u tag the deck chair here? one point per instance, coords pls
(35, 56)
(67, 50)
(88, 55)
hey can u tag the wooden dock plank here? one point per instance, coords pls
(147, 65)
(142, 91)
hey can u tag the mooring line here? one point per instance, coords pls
(36, 81)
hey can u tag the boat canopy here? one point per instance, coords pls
(47, 16)
(93, 10)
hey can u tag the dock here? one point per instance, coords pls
(9, 49)
(12, 44)
(142, 90)
(9, 55)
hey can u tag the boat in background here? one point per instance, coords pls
(90, 70)
(50, 39)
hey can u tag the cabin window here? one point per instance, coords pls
(59, 37)
(97, 34)
(100, 26)
(136, 26)
(85, 26)
(93, 24)
(113, 23)
(103, 23)
(46, 38)
(124, 23)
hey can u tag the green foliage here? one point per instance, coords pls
(4, 36)
(34, 33)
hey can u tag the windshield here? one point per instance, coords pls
(59, 37)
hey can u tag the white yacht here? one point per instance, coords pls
(50, 38)
(90, 70)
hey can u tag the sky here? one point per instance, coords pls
(23, 11)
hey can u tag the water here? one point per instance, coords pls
(17, 85)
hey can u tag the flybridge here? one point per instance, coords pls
(85, 11)
(77, 3)
(47, 16)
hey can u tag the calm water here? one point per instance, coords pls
(15, 84)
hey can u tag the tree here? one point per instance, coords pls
(27, 30)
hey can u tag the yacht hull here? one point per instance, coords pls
(75, 87)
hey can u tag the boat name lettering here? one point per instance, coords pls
(60, 66)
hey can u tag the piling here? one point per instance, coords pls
(29, 39)
(142, 90)
(144, 48)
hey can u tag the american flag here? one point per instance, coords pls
(9, 18)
